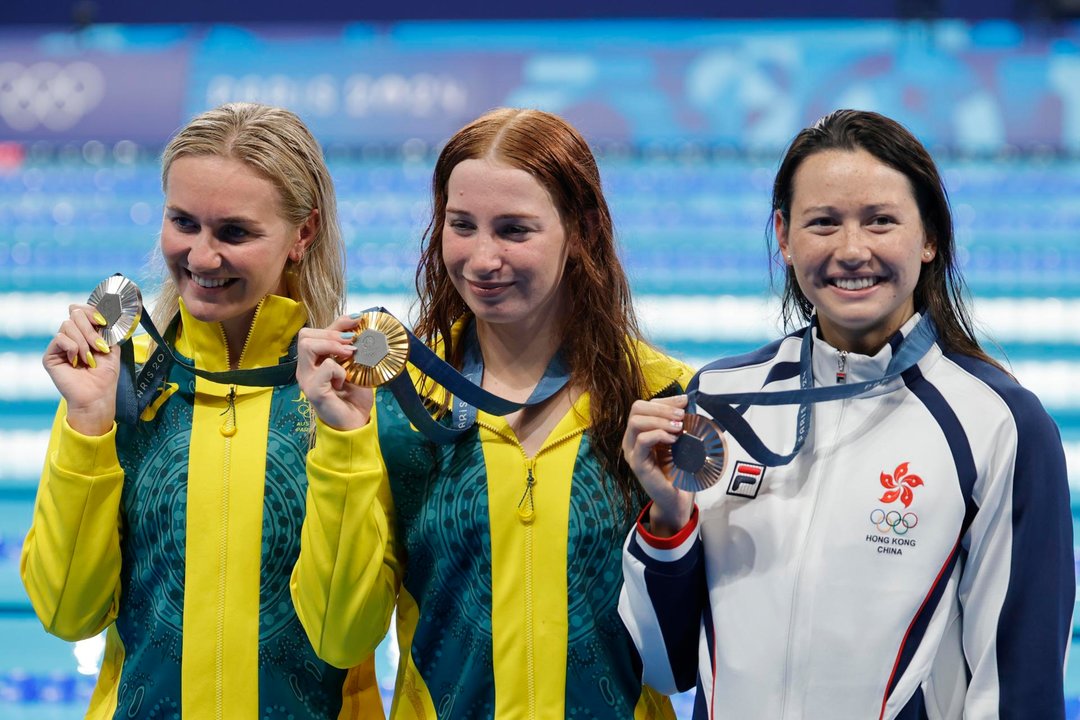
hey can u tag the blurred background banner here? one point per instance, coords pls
(55, 87)
(967, 86)
(688, 118)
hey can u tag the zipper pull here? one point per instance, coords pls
(526, 509)
(841, 361)
(228, 428)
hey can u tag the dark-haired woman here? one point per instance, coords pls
(914, 559)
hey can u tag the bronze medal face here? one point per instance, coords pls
(697, 459)
(382, 347)
(120, 302)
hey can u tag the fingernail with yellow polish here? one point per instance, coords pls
(90, 359)
(100, 319)
(75, 360)
(102, 346)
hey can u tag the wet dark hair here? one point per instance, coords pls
(940, 289)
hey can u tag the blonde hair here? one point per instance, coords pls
(275, 143)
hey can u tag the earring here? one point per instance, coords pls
(292, 279)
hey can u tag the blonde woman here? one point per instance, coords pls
(178, 533)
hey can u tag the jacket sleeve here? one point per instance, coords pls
(1018, 585)
(662, 603)
(345, 582)
(70, 563)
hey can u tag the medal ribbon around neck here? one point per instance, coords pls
(384, 346)
(697, 459)
(119, 301)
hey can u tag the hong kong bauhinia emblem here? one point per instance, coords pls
(899, 485)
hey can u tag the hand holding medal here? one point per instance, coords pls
(117, 312)
(696, 461)
(372, 349)
(340, 364)
(119, 301)
(80, 361)
(382, 348)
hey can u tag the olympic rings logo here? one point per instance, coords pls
(48, 94)
(893, 521)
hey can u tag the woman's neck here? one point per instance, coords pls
(515, 358)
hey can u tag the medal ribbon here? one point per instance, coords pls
(464, 386)
(719, 406)
(135, 391)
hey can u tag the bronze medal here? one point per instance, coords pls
(697, 459)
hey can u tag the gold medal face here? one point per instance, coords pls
(120, 302)
(697, 459)
(382, 347)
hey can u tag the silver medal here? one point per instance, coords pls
(120, 303)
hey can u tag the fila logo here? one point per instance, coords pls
(746, 479)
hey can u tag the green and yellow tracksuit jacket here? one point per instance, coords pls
(179, 535)
(506, 608)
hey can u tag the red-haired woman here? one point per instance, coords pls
(500, 550)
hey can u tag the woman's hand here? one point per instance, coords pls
(337, 402)
(85, 370)
(652, 423)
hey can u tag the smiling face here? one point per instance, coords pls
(504, 246)
(856, 243)
(225, 241)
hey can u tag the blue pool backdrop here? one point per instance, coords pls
(688, 118)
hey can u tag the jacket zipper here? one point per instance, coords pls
(819, 469)
(841, 364)
(527, 506)
(526, 512)
(228, 430)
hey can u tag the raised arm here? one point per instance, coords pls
(664, 593)
(345, 582)
(70, 562)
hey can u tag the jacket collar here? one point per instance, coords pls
(277, 320)
(826, 358)
(660, 372)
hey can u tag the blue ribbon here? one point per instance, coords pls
(136, 389)
(464, 386)
(719, 405)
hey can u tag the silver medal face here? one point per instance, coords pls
(382, 347)
(120, 302)
(371, 347)
(697, 459)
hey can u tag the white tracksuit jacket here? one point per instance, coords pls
(915, 560)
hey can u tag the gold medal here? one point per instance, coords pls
(382, 347)
(120, 303)
(696, 461)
